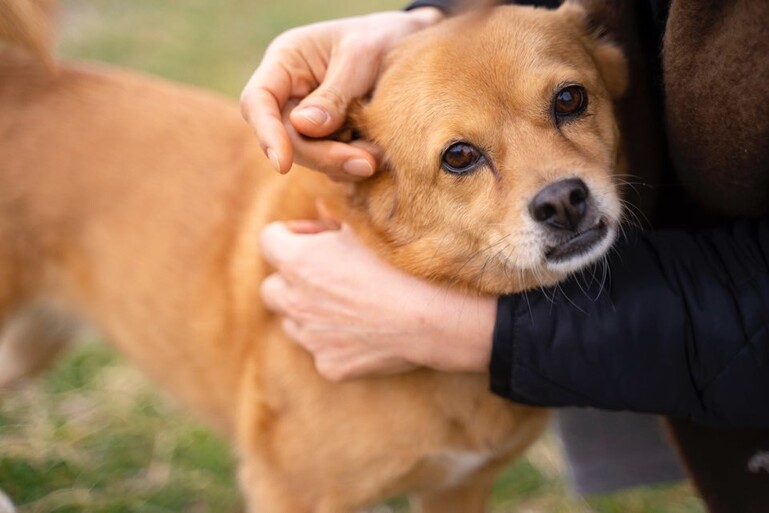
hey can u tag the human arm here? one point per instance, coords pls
(680, 328)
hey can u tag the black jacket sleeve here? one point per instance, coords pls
(449, 5)
(678, 325)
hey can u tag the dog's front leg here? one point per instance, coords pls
(470, 496)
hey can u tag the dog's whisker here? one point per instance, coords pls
(604, 276)
(633, 215)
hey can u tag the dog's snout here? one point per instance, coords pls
(561, 205)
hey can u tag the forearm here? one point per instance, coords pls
(680, 327)
(453, 330)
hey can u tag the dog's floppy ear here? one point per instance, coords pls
(608, 57)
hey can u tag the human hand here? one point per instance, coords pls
(325, 65)
(358, 316)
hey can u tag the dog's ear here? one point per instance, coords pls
(608, 57)
(354, 124)
(613, 67)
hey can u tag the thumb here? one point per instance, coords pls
(323, 111)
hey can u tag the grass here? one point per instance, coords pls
(95, 435)
(203, 42)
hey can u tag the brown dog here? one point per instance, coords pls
(136, 204)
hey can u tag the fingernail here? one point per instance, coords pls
(314, 115)
(273, 159)
(358, 167)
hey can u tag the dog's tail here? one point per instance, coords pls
(28, 24)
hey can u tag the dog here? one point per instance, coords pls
(135, 205)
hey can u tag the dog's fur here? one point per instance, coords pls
(136, 205)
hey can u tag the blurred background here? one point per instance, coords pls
(94, 435)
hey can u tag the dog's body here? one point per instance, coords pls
(136, 205)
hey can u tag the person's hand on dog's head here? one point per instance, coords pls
(325, 154)
(325, 66)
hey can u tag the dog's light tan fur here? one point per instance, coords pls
(136, 204)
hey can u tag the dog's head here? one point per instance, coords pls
(500, 145)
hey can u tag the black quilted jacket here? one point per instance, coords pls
(679, 327)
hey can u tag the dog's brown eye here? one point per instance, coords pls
(461, 158)
(569, 102)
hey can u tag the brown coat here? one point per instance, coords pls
(708, 158)
(714, 74)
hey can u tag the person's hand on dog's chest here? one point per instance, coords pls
(358, 316)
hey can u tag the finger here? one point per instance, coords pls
(261, 108)
(283, 74)
(369, 147)
(340, 161)
(351, 74)
(311, 226)
(327, 216)
(273, 291)
(294, 331)
(277, 243)
(333, 370)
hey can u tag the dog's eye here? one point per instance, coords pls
(461, 158)
(569, 102)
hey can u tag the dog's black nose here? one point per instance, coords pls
(561, 205)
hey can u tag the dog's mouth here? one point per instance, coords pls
(578, 245)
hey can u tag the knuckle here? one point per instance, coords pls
(286, 39)
(293, 330)
(295, 267)
(357, 46)
(295, 307)
(335, 96)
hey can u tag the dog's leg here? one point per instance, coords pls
(30, 341)
(471, 496)
(264, 494)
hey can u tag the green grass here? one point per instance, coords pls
(96, 436)
(214, 44)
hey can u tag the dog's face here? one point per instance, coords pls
(500, 144)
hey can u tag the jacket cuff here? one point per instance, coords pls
(445, 6)
(503, 346)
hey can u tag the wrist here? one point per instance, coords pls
(456, 331)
